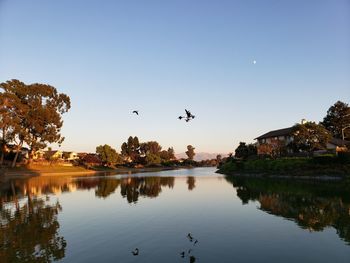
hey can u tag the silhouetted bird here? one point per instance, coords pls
(190, 237)
(189, 251)
(135, 252)
(189, 116)
(182, 254)
(136, 112)
(192, 259)
(195, 242)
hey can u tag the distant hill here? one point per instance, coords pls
(201, 156)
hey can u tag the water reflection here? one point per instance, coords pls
(29, 231)
(191, 182)
(313, 206)
(131, 188)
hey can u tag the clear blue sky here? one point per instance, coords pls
(161, 57)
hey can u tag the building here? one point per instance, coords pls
(274, 141)
(70, 156)
(53, 155)
(338, 145)
(91, 159)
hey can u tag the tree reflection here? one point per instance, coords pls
(132, 188)
(106, 187)
(191, 182)
(29, 231)
(313, 206)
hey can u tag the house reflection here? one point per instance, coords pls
(313, 206)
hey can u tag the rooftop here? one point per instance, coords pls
(276, 133)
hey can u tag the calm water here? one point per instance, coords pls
(102, 219)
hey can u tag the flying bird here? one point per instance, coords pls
(136, 112)
(135, 252)
(189, 116)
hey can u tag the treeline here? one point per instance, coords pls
(136, 153)
(30, 115)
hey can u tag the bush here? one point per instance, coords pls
(324, 159)
(344, 157)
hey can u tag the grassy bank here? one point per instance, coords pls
(59, 170)
(321, 166)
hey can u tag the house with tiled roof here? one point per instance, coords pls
(271, 140)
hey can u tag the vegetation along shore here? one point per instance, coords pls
(307, 150)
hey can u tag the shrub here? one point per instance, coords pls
(344, 157)
(324, 159)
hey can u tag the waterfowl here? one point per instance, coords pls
(135, 252)
(190, 237)
(189, 116)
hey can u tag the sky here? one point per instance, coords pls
(160, 57)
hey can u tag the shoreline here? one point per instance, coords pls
(27, 173)
(275, 176)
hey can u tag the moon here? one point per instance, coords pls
(254, 62)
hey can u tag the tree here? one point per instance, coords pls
(171, 153)
(218, 159)
(164, 155)
(309, 137)
(108, 155)
(244, 151)
(337, 120)
(39, 108)
(11, 113)
(190, 152)
(152, 147)
(152, 159)
(131, 148)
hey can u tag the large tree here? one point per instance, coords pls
(337, 120)
(8, 122)
(309, 137)
(171, 153)
(152, 147)
(38, 110)
(108, 155)
(190, 152)
(131, 148)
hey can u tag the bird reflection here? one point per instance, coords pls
(135, 252)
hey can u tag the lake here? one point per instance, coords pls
(105, 218)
